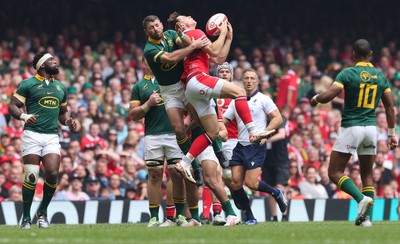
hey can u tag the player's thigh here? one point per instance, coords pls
(31, 143)
(251, 177)
(171, 147)
(231, 90)
(209, 163)
(51, 145)
(227, 148)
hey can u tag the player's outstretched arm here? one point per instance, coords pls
(215, 48)
(178, 55)
(327, 95)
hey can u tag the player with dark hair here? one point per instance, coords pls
(201, 87)
(45, 100)
(164, 52)
(365, 86)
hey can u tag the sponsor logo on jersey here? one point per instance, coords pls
(167, 67)
(368, 146)
(145, 86)
(351, 147)
(58, 87)
(40, 86)
(202, 92)
(49, 102)
(170, 43)
(48, 93)
(365, 76)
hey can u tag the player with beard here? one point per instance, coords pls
(45, 99)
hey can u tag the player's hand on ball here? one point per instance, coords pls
(223, 27)
(230, 31)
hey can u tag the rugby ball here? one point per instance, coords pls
(213, 23)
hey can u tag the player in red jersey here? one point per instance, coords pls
(201, 87)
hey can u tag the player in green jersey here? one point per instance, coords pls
(45, 100)
(364, 87)
(160, 144)
(164, 51)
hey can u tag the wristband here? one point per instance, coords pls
(315, 98)
(145, 107)
(25, 117)
(391, 132)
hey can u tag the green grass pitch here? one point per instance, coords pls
(267, 232)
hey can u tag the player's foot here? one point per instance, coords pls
(153, 222)
(365, 204)
(26, 224)
(259, 135)
(192, 223)
(205, 220)
(281, 200)
(42, 221)
(251, 222)
(367, 222)
(198, 176)
(167, 223)
(232, 220)
(181, 220)
(218, 220)
(184, 170)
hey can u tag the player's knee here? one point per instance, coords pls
(253, 185)
(180, 131)
(236, 185)
(31, 173)
(155, 176)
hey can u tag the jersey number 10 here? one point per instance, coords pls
(364, 96)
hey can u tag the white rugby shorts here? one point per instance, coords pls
(360, 139)
(160, 146)
(39, 143)
(174, 95)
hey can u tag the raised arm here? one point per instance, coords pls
(215, 48)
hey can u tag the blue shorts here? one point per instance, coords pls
(251, 156)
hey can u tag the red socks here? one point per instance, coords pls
(243, 110)
(200, 144)
(207, 201)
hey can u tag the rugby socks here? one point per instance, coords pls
(242, 201)
(348, 186)
(184, 144)
(180, 206)
(194, 211)
(28, 191)
(170, 211)
(217, 208)
(368, 191)
(154, 208)
(265, 187)
(227, 207)
(200, 144)
(243, 110)
(48, 192)
(207, 201)
(217, 145)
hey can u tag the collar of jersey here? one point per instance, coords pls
(364, 64)
(156, 41)
(252, 95)
(41, 78)
(148, 77)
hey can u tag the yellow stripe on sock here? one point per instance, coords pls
(194, 207)
(51, 185)
(368, 189)
(183, 140)
(29, 186)
(179, 200)
(154, 205)
(341, 180)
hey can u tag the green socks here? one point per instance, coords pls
(347, 185)
(48, 192)
(154, 208)
(28, 191)
(227, 207)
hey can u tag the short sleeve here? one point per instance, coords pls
(22, 92)
(268, 105)
(230, 112)
(153, 55)
(341, 78)
(64, 99)
(135, 97)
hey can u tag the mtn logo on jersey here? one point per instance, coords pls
(49, 102)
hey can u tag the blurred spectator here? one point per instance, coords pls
(75, 193)
(116, 191)
(90, 140)
(62, 187)
(386, 174)
(93, 189)
(330, 187)
(310, 187)
(15, 178)
(15, 194)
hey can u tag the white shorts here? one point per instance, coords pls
(174, 95)
(360, 139)
(200, 89)
(227, 148)
(161, 146)
(39, 144)
(208, 154)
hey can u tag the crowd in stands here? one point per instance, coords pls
(104, 160)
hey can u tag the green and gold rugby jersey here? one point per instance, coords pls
(364, 86)
(43, 100)
(156, 121)
(166, 74)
